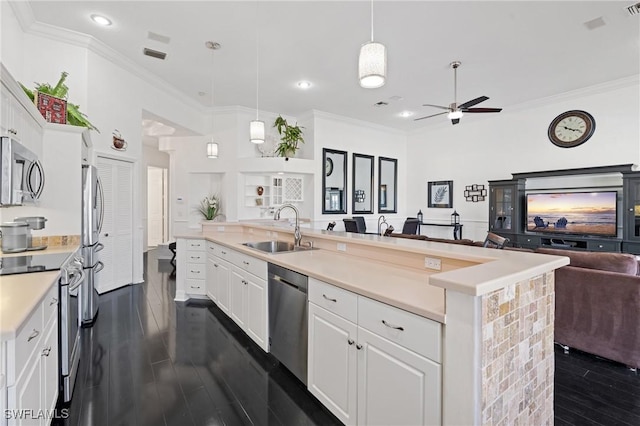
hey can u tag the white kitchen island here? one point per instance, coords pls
(492, 313)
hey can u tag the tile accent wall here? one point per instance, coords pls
(55, 240)
(517, 353)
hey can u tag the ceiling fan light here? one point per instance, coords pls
(256, 131)
(455, 114)
(372, 65)
(212, 150)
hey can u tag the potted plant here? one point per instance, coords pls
(73, 117)
(290, 137)
(210, 207)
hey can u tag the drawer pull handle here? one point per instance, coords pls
(223, 252)
(195, 257)
(244, 282)
(33, 335)
(395, 327)
(358, 347)
(350, 342)
(215, 264)
(329, 299)
(195, 272)
(53, 301)
(193, 286)
(245, 262)
(46, 351)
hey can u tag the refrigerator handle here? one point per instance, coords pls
(99, 247)
(99, 267)
(101, 191)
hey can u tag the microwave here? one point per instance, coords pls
(22, 176)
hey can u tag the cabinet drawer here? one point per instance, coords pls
(50, 304)
(195, 257)
(212, 249)
(195, 245)
(334, 299)
(196, 270)
(195, 286)
(414, 332)
(225, 253)
(252, 265)
(28, 340)
(603, 246)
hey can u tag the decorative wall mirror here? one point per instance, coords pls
(362, 189)
(334, 181)
(387, 185)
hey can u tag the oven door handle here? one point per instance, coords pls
(77, 280)
(99, 267)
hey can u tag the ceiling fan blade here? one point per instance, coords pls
(455, 121)
(429, 116)
(437, 106)
(482, 110)
(472, 102)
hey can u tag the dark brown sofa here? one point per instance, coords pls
(598, 304)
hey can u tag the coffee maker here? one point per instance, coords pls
(33, 223)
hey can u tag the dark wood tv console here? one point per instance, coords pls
(507, 211)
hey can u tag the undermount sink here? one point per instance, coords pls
(276, 246)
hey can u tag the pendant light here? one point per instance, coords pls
(212, 147)
(256, 127)
(372, 62)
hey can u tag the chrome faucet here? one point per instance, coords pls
(297, 237)
(381, 220)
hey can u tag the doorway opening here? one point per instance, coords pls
(157, 206)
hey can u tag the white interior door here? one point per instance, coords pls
(155, 206)
(117, 228)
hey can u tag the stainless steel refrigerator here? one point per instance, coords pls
(92, 219)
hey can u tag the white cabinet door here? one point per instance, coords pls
(238, 287)
(212, 278)
(396, 386)
(117, 229)
(50, 367)
(224, 290)
(257, 316)
(332, 371)
(27, 391)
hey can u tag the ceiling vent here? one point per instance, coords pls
(154, 53)
(381, 104)
(158, 37)
(634, 9)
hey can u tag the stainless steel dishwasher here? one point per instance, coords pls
(288, 319)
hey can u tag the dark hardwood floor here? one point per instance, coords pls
(153, 362)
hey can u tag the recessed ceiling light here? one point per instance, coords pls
(101, 20)
(406, 114)
(304, 84)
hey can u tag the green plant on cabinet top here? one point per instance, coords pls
(290, 137)
(60, 90)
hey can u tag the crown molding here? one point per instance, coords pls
(29, 25)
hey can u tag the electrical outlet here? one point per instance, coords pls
(432, 263)
(342, 247)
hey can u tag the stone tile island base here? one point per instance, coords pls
(517, 353)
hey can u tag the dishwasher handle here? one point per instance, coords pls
(278, 278)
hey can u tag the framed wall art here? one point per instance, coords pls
(440, 194)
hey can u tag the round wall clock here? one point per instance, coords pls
(328, 166)
(571, 128)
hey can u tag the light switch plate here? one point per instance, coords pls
(432, 263)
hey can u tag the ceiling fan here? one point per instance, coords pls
(455, 111)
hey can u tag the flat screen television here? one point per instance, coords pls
(577, 213)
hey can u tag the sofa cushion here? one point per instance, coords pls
(613, 262)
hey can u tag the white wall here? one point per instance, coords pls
(354, 136)
(493, 146)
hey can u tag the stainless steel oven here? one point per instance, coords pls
(72, 277)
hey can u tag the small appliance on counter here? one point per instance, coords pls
(14, 236)
(33, 223)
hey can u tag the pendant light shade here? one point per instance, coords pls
(256, 131)
(372, 65)
(212, 150)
